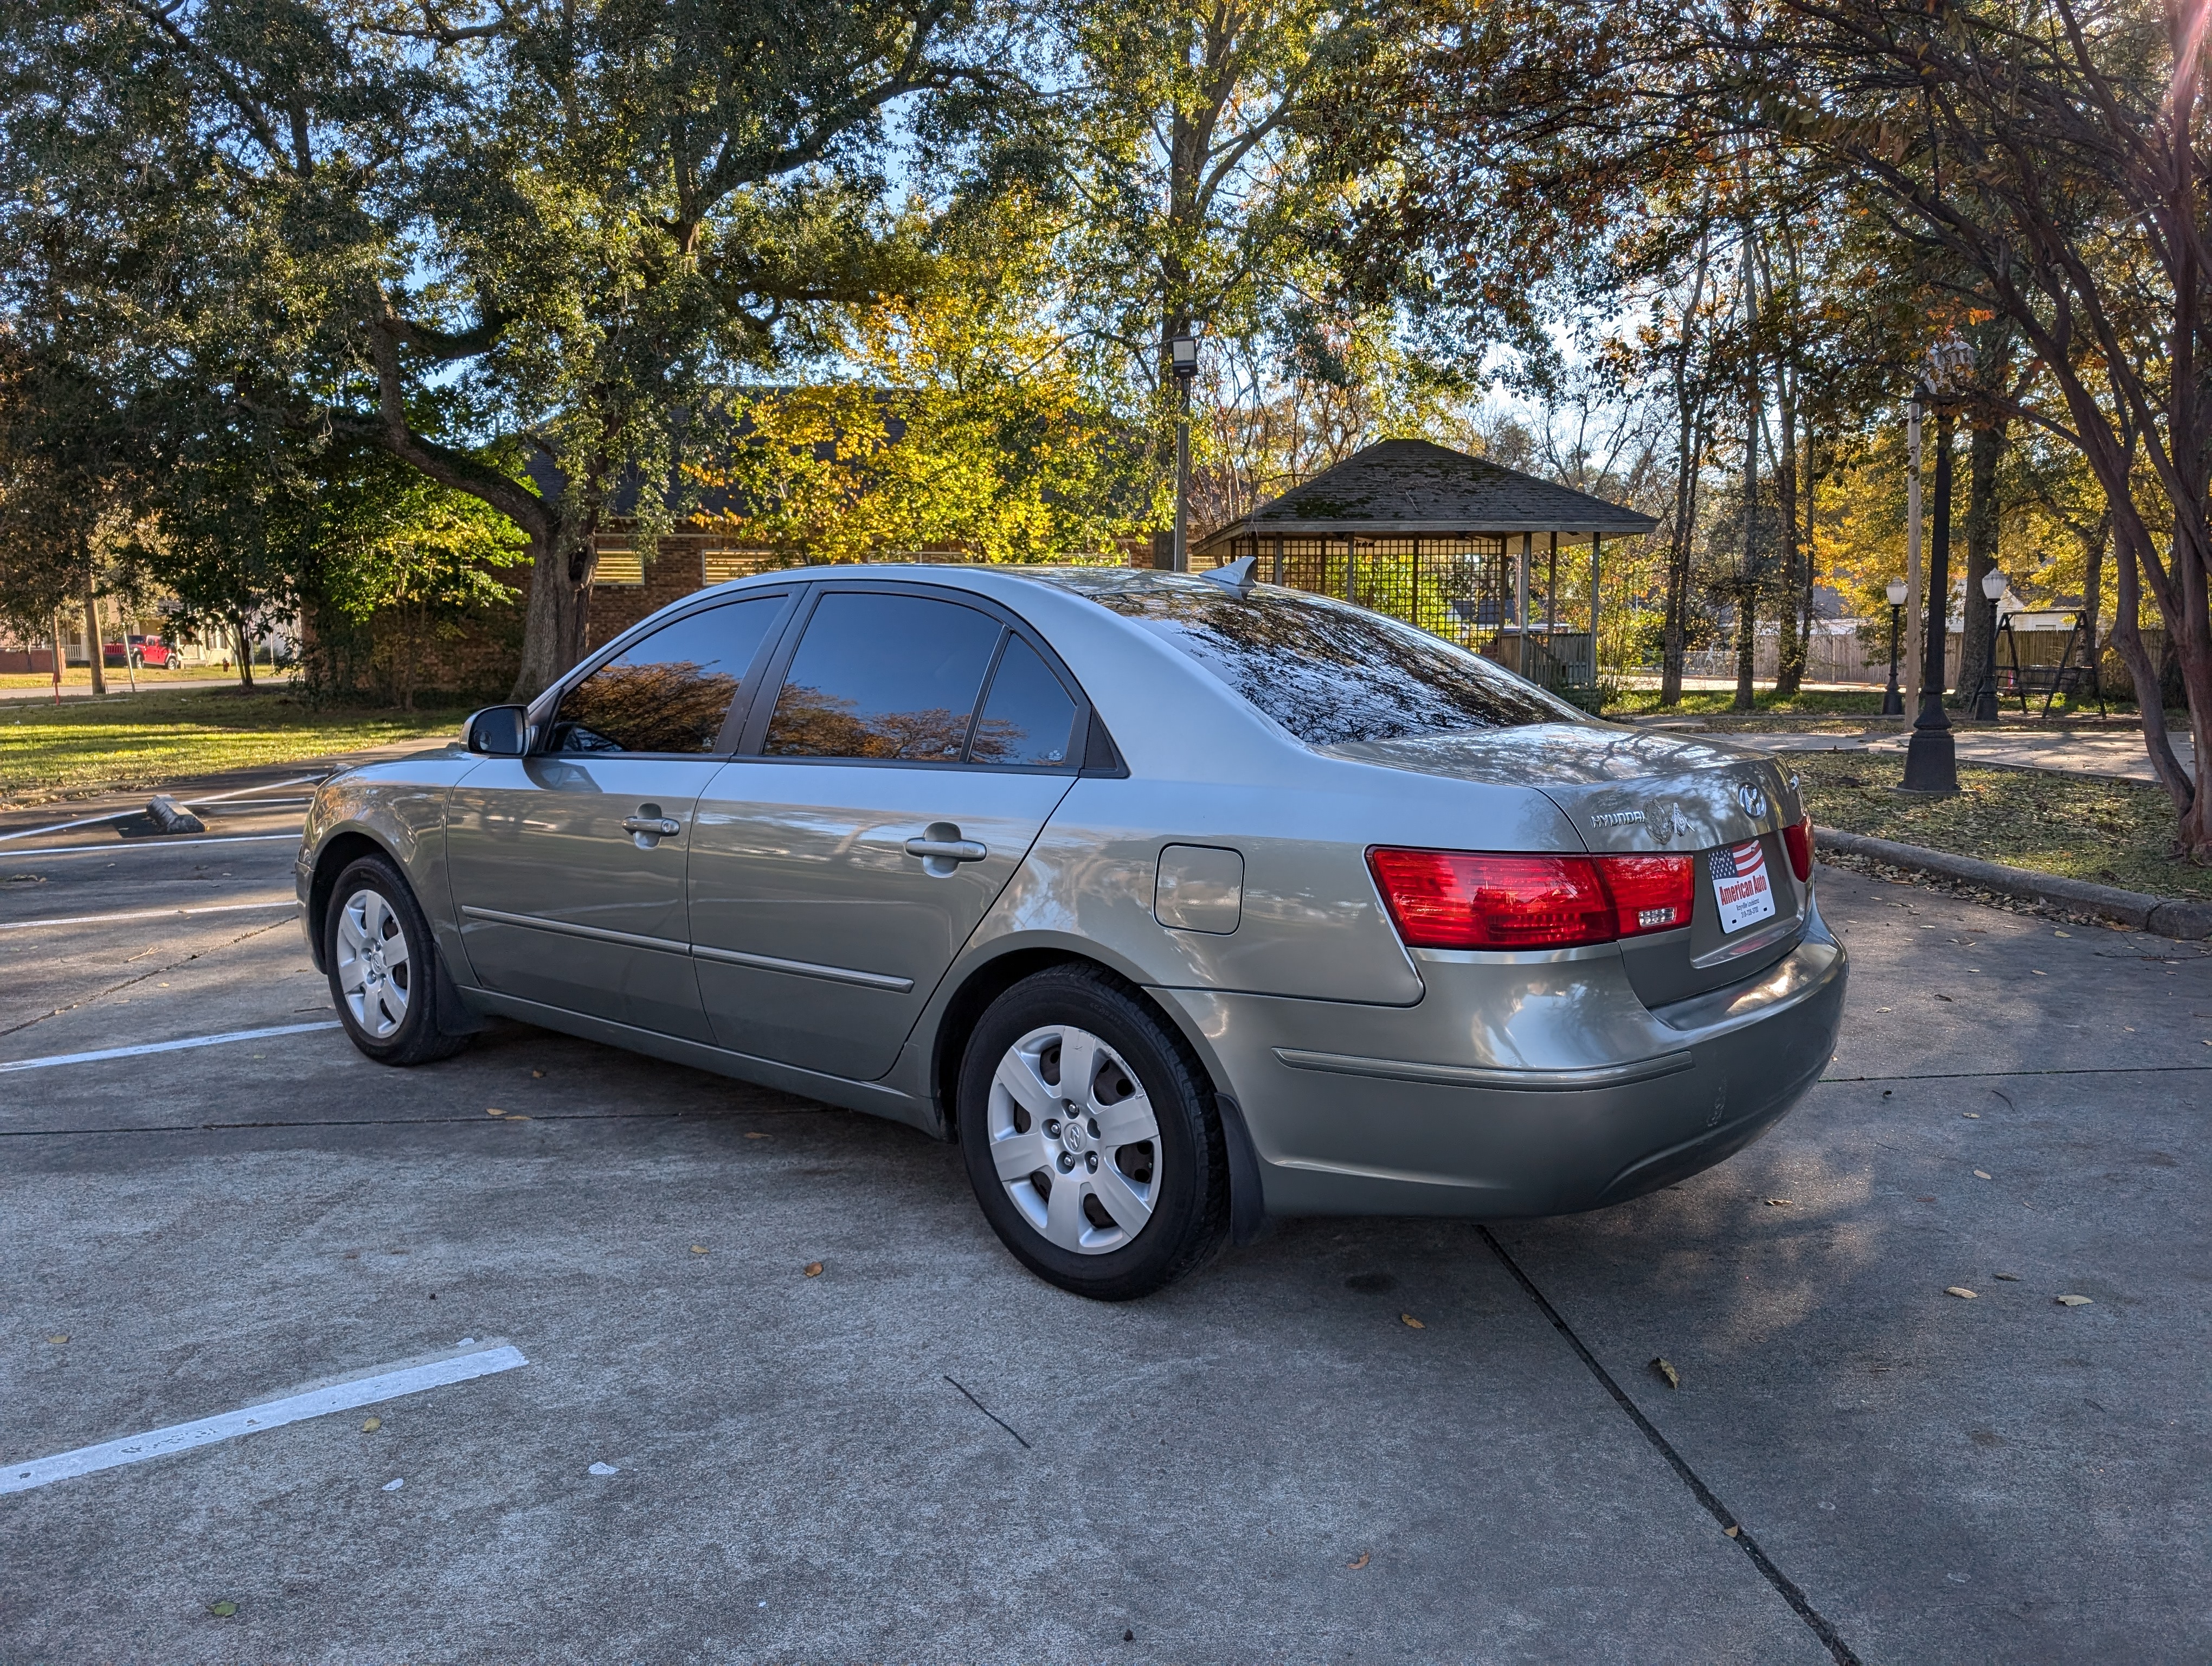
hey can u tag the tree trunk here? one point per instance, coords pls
(245, 654)
(1978, 611)
(1746, 588)
(1789, 665)
(558, 610)
(2092, 588)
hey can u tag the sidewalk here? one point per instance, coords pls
(2114, 757)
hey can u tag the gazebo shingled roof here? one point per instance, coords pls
(1405, 487)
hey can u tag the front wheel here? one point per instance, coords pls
(1091, 1136)
(383, 967)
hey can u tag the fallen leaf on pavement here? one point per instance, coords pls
(516, 1116)
(492, 1111)
(1673, 1378)
(222, 1608)
(1960, 1291)
(1981, 1173)
(1781, 1203)
(814, 1269)
(2073, 1301)
(1360, 1560)
(2008, 1278)
(756, 1136)
(537, 1072)
(1945, 998)
(1971, 1116)
(698, 1248)
(1410, 1319)
(57, 1340)
(2062, 934)
(372, 1425)
(1885, 1009)
(1731, 1531)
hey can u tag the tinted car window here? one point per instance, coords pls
(883, 677)
(1327, 672)
(1027, 717)
(670, 691)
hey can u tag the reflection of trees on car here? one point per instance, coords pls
(996, 739)
(1328, 672)
(809, 723)
(673, 706)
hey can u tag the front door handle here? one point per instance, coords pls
(664, 826)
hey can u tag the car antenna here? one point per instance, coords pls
(1236, 576)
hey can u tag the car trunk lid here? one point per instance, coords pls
(1638, 791)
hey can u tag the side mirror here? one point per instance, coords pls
(498, 731)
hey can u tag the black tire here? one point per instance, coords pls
(410, 1034)
(1185, 1172)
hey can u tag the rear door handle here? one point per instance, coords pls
(947, 850)
(664, 826)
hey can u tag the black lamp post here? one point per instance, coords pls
(1986, 699)
(1893, 703)
(1931, 755)
(1183, 358)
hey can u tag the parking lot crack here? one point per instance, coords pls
(151, 971)
(1783, 1583)
(992, 1415)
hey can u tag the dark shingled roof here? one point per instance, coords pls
(1396, 488)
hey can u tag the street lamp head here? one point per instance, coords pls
(1950, 357)
(1895, 590)
(1993, 583)
(1182, 356)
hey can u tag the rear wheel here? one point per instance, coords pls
(1090, 1137)
(383, 967)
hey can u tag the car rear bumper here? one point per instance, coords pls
(1535, 1088)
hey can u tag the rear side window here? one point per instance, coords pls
(880, 675)
(1029, 717)
(1330, 673)
(670, 691)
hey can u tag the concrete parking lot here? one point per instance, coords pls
(1368, 1440)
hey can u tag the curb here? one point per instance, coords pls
(2190, 923)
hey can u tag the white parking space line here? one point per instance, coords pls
(387, 1384)
(164, 1047)
(117, 815)
(145, 914)
(151, 844)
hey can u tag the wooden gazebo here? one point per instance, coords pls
(1443, 540)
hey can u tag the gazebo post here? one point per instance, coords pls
(1552, 593)
(1279, 558)
(1520, 602)
(1596, 541)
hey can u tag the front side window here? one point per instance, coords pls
(670, 691)
(1325, 670)
(883, 676)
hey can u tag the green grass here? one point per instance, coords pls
(1702, 703)
(48, 751)
(2110, 832)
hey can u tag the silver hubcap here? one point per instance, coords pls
(373, 973)
(1074, 1140)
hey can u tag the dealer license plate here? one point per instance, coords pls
(1740, 885)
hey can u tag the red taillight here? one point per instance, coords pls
(1649, 893)
(1799, 842)
(1461, 899)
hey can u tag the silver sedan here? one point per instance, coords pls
(1179, 902)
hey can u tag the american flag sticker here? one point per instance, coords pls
(1740, 885)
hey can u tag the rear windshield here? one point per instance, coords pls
(1327, 672)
